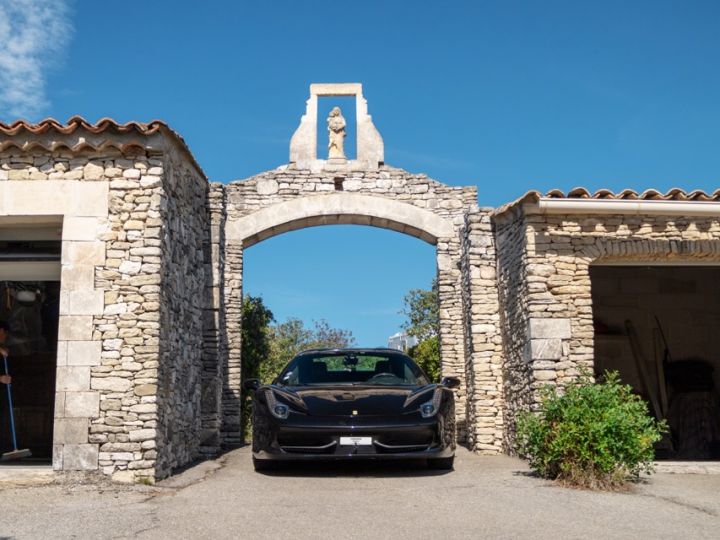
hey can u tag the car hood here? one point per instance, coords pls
(348, 400)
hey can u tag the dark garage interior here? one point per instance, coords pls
(659, 326)
(31, 310)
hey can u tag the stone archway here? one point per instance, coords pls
(310, 192)
(242, 230)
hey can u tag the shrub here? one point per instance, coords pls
(594, 435)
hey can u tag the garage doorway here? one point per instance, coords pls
(659, 327)
(30, 305)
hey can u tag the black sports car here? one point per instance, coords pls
(353, 404)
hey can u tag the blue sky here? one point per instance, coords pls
(506, 95)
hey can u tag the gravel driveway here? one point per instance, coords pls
(484, 497)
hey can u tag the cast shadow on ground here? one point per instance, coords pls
(365, 469)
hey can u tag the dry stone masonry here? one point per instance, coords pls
(544, 284)
(148, 367)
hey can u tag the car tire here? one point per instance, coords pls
(441, 464)
(261, 465)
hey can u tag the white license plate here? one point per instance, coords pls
(355, 441)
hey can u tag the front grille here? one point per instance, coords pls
(304, 439)
(408, 438)
(306, 443)
(390, 441)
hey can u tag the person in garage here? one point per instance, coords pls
(4, 379)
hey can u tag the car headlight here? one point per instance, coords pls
(277, 409)
(431, 408)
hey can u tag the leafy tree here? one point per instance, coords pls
(427, 355)
(290, 337)
(422, 309)
(326, 336)
(255, 348)
(286, 339)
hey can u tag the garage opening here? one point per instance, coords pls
(658, 326)
(30, 307)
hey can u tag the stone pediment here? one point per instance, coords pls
(304, 144)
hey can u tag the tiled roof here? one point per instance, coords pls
(104, 124)
(674, 194)
(28, 136)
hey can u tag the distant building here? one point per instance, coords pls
(402, 341)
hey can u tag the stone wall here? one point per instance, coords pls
(109, 322)
(288, 183)
(483, 340)
(185, 239)
(132, 278)
(129, 329)
(513, 292)
(544, 283)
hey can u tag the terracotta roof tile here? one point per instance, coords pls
(108, 126)
(102, 125)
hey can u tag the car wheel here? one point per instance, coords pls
(263, 464)
(441, 464)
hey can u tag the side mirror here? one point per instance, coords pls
(450, 382)
(251, 384)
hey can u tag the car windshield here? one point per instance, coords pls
(352, 367)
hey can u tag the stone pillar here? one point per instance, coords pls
(214, 355)
(452, 349)
(76, 404)
(483, 339)
(231, 430)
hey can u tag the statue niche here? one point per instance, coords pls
(336, 132)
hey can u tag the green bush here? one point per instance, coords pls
(594, 435)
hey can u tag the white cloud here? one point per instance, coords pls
(33, 37)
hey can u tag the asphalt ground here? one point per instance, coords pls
(484, 497)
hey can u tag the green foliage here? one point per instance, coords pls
(289, 338)
(256, 334)
(255, 348)
(427, 355)
(595, 435)
(286, 339)
(422, 309)
(267, 348)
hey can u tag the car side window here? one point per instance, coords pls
(291, 378)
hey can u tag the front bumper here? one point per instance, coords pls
(392, 439)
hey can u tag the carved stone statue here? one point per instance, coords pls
(336, 131)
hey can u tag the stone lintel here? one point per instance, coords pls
(335, 89)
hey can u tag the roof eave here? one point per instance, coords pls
(553, 206)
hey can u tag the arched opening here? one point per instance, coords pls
(336, 286)
(348, 209)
